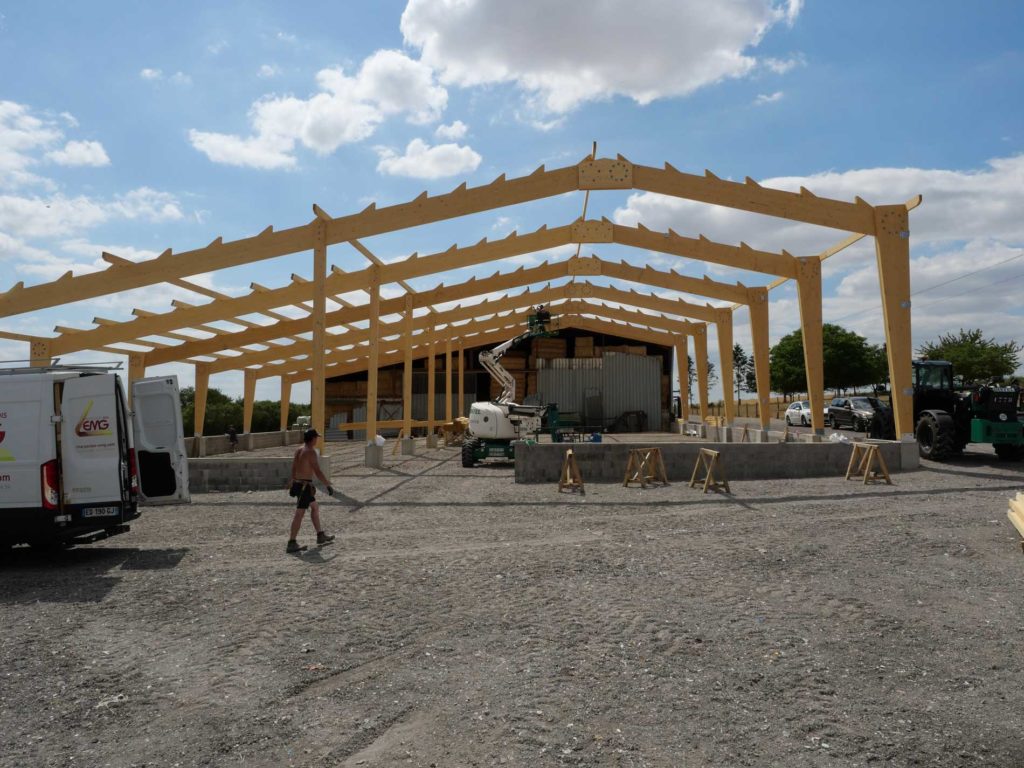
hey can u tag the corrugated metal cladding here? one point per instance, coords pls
(625, 382)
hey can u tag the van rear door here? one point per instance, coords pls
(27, 440)
(159, 441)
(90, 449)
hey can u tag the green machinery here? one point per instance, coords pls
(948, 420)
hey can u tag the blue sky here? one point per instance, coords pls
(134, 127)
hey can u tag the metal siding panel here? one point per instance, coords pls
(565, 386)
(632, 383)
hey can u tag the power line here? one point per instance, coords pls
(876, 307)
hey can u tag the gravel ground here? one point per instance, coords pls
(462, 620)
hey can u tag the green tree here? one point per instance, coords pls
(974, 358)
(742, 368)
(847, 360)
(223, 411)
(691, 374)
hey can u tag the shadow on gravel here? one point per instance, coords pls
(75, 575)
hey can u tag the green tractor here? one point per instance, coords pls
(948, 420)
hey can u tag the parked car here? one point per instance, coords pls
(855, 412)
(798, 413)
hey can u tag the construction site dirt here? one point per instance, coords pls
(463, 620)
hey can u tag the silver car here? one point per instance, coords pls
(798, 413)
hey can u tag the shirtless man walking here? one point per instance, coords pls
(305, 467)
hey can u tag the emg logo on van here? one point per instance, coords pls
(96, 427)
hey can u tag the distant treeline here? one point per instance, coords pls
(223, 411)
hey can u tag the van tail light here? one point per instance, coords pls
(132, 471)
(51, 494)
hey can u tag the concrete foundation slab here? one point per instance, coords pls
(606, 462)
(408, 446)
(431, 441)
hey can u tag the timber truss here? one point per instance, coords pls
(304, 348)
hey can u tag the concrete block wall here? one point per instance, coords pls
(240, 473)
(606, 462)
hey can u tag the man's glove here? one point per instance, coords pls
(330, 491)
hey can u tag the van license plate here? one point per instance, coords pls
(100, 511)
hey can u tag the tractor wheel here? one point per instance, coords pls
(1009, 452)
(468, 449)
(935, 438)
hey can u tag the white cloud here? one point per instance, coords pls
(80, 153)
(268, 70)
(563, 57)
(782, 66)
(763, 98)
(345, 110)
(453, 132)
(22, 134)
(217, 47)
(421, 161)
(178, 78)
(57, 216)
(396, 84)
(958, 206)
(256, 152)
(69, 119)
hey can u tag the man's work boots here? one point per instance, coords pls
(324, 538)
(293, 547)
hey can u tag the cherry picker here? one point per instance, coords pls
(495, 426)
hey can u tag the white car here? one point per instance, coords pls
(798, 413)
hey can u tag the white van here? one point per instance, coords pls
(75, 462)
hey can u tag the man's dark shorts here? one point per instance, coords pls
(306, 496)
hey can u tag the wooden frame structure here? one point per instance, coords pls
(366, 342)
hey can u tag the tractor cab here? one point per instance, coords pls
(933, 386)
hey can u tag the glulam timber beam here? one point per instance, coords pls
(262, 300)
(334, 341)
(748, 195)
(575, 267)
(357, 360)
(425, 209)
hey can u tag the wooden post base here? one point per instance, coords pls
(708, 460)
(865, 455)
(570, 476)
(645, 466)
